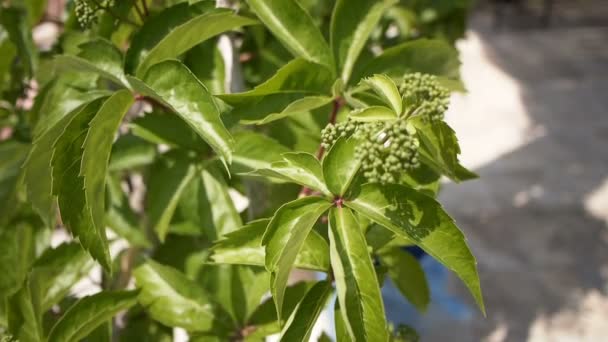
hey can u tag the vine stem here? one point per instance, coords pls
(337, 104)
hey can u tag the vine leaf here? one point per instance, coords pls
(170, 176)
(440, 149)
(358, 291)
(352, 22)
(98, 56)
(96, 153)
(407, 275)
(88, 313)
(176, 301)
(435, 57)
(297, 87)
(340, 166)
(68, 186)
(254, 151)
(387, 90)
(218, 209)
(301, 321)
(297, 167)
(24, 314)
(284, 238)
(244, 247)
(171, 83)
(420, 219)
(193, 32)
(294, 27)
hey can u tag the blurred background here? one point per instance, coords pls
(534, 126)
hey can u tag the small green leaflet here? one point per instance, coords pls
(173, 84)
(358, 292)
(89, 313)
(294, 27)
(421, 219)
(387, 90)
(407, 275)
(300, 323)
(284, 238)
(340, 166)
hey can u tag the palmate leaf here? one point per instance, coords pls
(68, 186)
(294, 27)
(168, 180)
(57, 270)
(297, 87)
(174, 300)
(358, 291)
(14, 21)
(219, 210)
(297, 167)
(420, 219)
(352, 23)
(300, 323)
(90, 312)
(340, 166)
(24, 314)
(244, 247)
(284, 238)
(171, 83)
(434, 57)
(98, 56)
(254, 151)
(440, 149)
(194, 31)
(407, 275)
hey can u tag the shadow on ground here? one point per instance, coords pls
(541, 252)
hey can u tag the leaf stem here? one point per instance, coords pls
(145, 7)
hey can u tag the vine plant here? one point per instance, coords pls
(125, 135)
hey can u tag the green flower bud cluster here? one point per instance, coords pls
(87, 11)
(386, 150)
(424, 96)
(331, 133)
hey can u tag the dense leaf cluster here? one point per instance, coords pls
(179, 150)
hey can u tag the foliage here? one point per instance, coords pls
(198, 155)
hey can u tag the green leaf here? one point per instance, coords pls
(372, 114)
(407, 275)
(224, 216)
(294, 27)
(68, 186)
(96, 155)
(97, 56)
(255, 151)
(299, 75)
(18, 251)
(352, 22)
(340, 166)
(157, 27)
(12, 155)
(14, 21)
(57, 270)
(387, 90)
(299, 325)
(168, 179)
(174, 300)
(153, 127)
(174, 85)
(435, 57)
(356, 283)
(244, 247)
(24, 314)
(207, 64)
(90, 312)
(420, 219)
(297, 167)
(264, 109)
(440, 149)
(194, 31)
(121, 218)
(284, 238)
(342, 334)
(130, 152)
